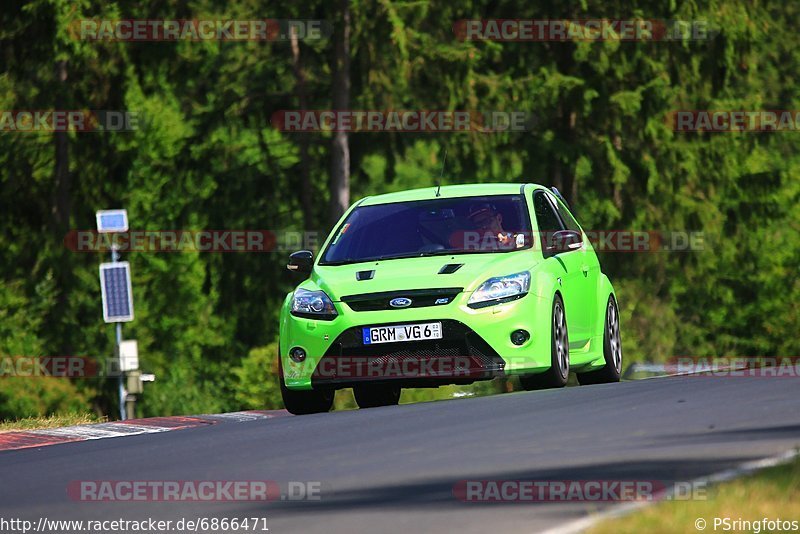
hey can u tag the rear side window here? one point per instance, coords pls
(546, 217)
(567, 217)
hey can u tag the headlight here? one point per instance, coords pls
(501, 289)
(313, 305)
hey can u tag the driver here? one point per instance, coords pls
(488, 221)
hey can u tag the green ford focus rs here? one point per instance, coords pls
(443, 286)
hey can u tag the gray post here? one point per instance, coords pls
(121, 379)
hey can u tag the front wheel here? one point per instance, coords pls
(304, 402)
(374, 395)
(612, 350)
(556, 376)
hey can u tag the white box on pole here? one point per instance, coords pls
(128, 353)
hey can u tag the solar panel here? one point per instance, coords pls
(112, 221)
(115, 285)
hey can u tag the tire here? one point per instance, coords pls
(304, 402)
(556, 376)
(374, 395)
(612, 350)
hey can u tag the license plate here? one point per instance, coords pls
(403, 332)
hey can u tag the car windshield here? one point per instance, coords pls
(438, 226)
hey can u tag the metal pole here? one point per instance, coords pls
(121, 380)
(121, 377)
(130, 406)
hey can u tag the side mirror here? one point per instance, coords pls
(301, 261)
(564, 241)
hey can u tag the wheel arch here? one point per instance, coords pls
(283, 333)
(604, 290)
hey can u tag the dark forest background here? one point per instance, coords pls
(208, 157)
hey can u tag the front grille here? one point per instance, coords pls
(420, 298)
(461, 356)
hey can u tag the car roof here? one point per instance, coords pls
(447, 191)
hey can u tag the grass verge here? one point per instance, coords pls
(51, 421)
(773, 493)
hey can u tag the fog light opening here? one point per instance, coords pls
(297, 355)
(519, 337)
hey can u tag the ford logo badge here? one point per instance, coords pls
(400, 302)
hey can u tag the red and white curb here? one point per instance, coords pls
(153, 425)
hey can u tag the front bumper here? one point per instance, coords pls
(476, 345)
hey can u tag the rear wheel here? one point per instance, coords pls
(304, 402)
(374, 395)
(612, 350)
(556, 376)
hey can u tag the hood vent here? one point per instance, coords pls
(365, 275)
(450, 268)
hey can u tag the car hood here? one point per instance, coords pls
(419, 273)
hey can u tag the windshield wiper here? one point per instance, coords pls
(423, 254)
(406, 255)
(346, 261)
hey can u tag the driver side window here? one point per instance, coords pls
(548, 222)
